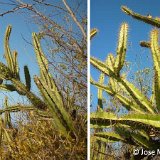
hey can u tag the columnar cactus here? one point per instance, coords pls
(51, 102)
(141, 126)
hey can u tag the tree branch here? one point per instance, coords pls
(74, 18)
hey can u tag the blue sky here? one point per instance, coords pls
(107, 17)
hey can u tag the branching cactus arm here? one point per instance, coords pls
(134, 92)
(48, 88)
(147, 19)
(121, 48)
(51, 100)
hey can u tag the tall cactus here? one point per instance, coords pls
(142, 118)
(51, 101)
(50, 92)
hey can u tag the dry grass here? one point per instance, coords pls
(38, 140)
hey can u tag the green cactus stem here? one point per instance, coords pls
(5, 72)
(7, 116)
(121, 48)
(15, 64)
(100, 91)
(147, 19)
(8, 54)
(27, 78)
(93, 33)
(17, 108)
(102, 67)
(23, 90)
(56, 107)
(110, 61)
(156, 59)
(138, 97)
(41, 59)
(129, 104)
(7, 87)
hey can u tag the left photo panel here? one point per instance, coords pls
(43, 80)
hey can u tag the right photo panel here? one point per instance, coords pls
(124, 80)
